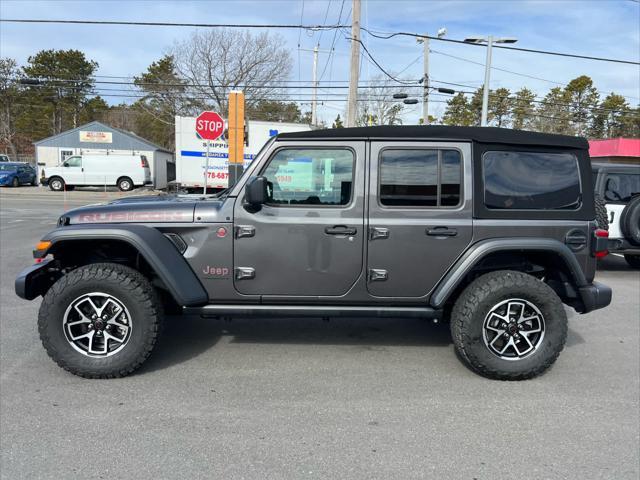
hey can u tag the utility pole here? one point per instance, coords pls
(425, 98)
(352, 105)
(315, 82)
(314, 97)
(426, 85)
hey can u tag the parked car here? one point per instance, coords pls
(4, 158)
(617, 189)
(123, 171)
(490, 229)
(14, 174)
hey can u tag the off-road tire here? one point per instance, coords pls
(633, 261)
(602, 219)
(475, 302)
(630, 221)
(53, 184)
(129, 287)
(125, 184)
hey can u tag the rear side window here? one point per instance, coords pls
(143, 161)
(531, 180)
(620, 187)
(420, 177)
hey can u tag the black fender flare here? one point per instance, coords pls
(155, 248)
(479, 250)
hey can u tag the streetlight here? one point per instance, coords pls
(487, 68)
(425, 98)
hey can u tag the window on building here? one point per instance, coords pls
(420, 177)
(531, 180)
(300, 176)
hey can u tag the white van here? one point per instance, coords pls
(123, 171)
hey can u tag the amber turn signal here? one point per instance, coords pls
(43, 245)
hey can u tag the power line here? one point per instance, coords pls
(174, 24)
(520, 49)
(366, 50)
(313, 28)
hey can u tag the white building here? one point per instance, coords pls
(96, 138)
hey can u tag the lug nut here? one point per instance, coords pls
(94, 316)
(505, 334)
(90, 327)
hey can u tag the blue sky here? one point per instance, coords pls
(606, 28)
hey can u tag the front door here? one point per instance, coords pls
(308, 239)
(73, 171)
(420, 215)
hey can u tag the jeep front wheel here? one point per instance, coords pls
(508, 325)
(100, 320)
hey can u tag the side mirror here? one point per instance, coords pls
(256, 191)
(65, 164)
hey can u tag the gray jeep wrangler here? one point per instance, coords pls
(493, 230)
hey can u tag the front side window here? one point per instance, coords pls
(309, 176)
(74, 161)
(531, 180)
(620, 187)
(420, 177)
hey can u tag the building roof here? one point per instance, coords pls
(442, 132)
(615, 147)
(122, 140)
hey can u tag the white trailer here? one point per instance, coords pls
(191, 151)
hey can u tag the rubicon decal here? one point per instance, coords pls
(143, 216)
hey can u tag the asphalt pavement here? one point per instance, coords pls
(300, 398)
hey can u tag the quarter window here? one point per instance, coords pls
(305, 176)
(420, 177)
(531, 180)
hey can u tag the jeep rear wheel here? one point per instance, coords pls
(509, 325)
(100, 320)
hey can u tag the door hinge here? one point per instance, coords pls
(377, 274)
(245, 273)
(378, 232)
(245, 231)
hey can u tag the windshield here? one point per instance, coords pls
(8, 168)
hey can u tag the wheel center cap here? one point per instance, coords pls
(513, 328)
(99, 324)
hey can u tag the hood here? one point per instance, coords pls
(142, 209)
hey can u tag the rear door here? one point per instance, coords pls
(308, 240)
(420, 215)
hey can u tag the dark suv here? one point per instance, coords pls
(491, 229)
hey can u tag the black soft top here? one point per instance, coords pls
(443, 132)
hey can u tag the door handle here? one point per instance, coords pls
(340, 230)
(442, 232)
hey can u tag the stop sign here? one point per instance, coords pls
(209, 125)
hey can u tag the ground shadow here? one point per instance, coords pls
(187, 337)
(614, 263)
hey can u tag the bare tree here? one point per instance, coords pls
(8, 96)
(377, 106)
(214, 62)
